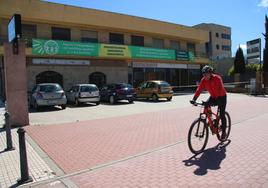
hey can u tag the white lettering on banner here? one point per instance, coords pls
(61, 62)
(159, 65)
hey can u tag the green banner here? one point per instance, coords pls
(152, 53)
(56, 47)
(191, 56)
(182, 55)
(112, 50)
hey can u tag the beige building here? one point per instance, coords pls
(220, 43)
(69, 45)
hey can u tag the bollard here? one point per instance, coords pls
(25, 178)
(8, 132)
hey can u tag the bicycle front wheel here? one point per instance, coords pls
(198, 136)
(228, 128)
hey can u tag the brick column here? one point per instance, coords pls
(16, 85)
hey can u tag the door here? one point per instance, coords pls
(97, 78)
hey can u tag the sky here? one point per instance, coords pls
(245, 17)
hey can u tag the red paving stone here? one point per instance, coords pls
(242, 162)
(86, 144)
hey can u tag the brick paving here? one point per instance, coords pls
(85, 145)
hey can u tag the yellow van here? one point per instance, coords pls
(154, 89)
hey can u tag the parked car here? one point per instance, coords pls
(154, 89)
(117, 91)
(47, 94)
(83, 93)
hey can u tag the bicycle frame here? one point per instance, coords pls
(208, 116)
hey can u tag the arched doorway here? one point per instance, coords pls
(97, 78)
(49, 77)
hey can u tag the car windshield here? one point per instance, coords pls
(164, 84)
(120, 86)
(88, 88)
(50, 88)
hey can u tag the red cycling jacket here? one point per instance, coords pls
(214, 86)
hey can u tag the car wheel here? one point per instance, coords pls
(130, 101)
(76, 102)
(112, 100)
(63, 106)
(154, 97)
(97, 103)
(169, 98)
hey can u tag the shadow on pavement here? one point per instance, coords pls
(210, 159)
(45, 109)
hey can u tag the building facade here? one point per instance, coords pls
(220, 43)
(70, 45)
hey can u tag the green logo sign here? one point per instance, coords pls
(54, 47)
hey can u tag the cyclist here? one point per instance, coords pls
(214, 85)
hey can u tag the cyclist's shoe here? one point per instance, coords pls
(192, 102)
(223, 135)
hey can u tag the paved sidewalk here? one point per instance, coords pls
(10, 161)
(144, 150)
(150, 150)
(239, 162)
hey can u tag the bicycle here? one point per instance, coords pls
(199, 129)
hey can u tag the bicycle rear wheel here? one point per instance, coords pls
(228, 128)
(198, 136)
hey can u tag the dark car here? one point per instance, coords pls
(117, 91)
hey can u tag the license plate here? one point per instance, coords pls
(129, 95)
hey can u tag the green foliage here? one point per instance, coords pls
(249, 69)
(231, 71)
(239, 62)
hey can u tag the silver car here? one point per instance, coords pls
(83, 93)
(47, 94)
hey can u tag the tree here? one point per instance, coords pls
(265, 51)
(239, 62)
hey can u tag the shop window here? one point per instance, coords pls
(138, 76)
(97, 78)
(137, 40)
(29, 32)
(158, 43)
(61, 34)
(89, 36)
(175, 45)
(191, 48)
(49, 77)
(116, 38)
